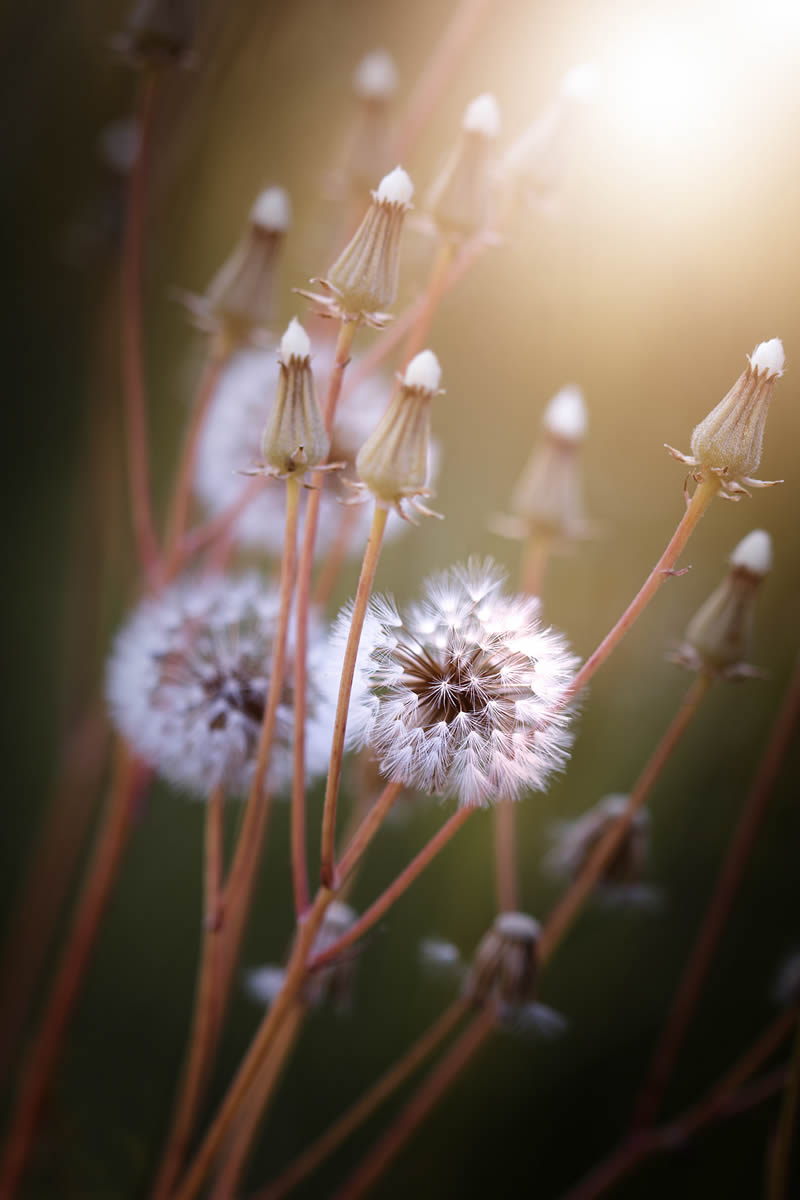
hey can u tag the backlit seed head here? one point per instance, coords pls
(719, 635)
(459, 199)
(461, 695)
(574, 842)
(295, 439)
(504, 969)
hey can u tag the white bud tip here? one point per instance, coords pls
(769, 357)
(754, 553)
(395, 188)
(272, 211)
(423, 372)
(579, 83)
(483, 116)
(517, 925)
(565, 415)
(295, 342)
(375, 77)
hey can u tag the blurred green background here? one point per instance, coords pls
(672, 250)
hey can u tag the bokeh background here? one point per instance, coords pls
(670, 250)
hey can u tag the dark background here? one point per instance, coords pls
(672, 252)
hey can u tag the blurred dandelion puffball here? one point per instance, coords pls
(460, 694)
(187, 684)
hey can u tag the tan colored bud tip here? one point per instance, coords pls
(393, 462)
(504, 969)
(295, 439)
(459, 198)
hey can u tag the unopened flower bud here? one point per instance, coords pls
(728, 442)
(718, 637)
(393, 462)
(459, 198)
(241, 297)
(295, 440)
(574, 842)
(504, 968)
(374, 84)
(334, 981)
(548, 496)
(158, 32)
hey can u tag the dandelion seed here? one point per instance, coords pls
(460, 695)
(187, 684)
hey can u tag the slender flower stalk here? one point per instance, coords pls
(129, 780)
(716, 916)
(780, 1154)
(132, 348)
(218, 527)
(431, 299)
(506, 876)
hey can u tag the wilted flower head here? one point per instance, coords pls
(158, 32)
(727, 444)
(459, 198)
(504, 968)
(460, 695)
(362, 283)
(333, 981)
(718, 637)
(231, 443)
(574, 842)
(187, 683)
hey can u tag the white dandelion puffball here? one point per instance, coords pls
(231, 443)
(460, 695)
(187, 683)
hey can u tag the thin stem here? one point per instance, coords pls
(308, 1161)
(396, 889)
(132, 350)
(703, 494)
(205, 1022)
(780, 1155)
(336, 557)
(302, 607)
(129, 779)
(182, 497)
(536, 555)
(727, 885)
(366, 831)
(571, 903)
(437, 285)
(422, 1102)
(202, 535)
(505, 857)
(366, 578)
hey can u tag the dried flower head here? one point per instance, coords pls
(504, 968)
(187, 683)
(393, 462)
(295, 440)
(362, 283)
(231, 443)
(718, 637)
(334, 981)
(158, 32)
(459, 198)
(727, 444)
(574, 843)
(460, 695)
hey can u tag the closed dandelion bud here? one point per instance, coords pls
(158, 32)
(718, 637)
(334, 981)
(504, 969)
(574, 843)
(295, 439)
(393, 462)
(363, 280)
(241, 297)
(548, 497)
(374, 84)
(459, 198)
(728, 442)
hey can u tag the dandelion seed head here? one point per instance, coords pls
(187, 683)
(461, 695)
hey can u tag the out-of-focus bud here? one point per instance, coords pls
(158, 32)
(574, 842)
(374, 84)
(393, 462)
(718, 637)
(295, 440)
(242, 296)
(504, 969)
(727, 444)
(459, 198)
(334, 981)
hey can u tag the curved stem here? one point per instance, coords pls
(132, 350)
(368, 567)
(424, 1099)
(506, 881)
(336, 556)
(308, 1161)
(719, 908)
(570, 905)
(535, 557)
(129, 779)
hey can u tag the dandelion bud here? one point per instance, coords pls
(574, 842)
(393, 462)
(728, 442)
(158, 32)
(504, 969)
(718, 637)
(241, 297)
(459, 198)
(374, 84)
(333, 981)
(548, 496)
(295, 440)
(363, 280)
